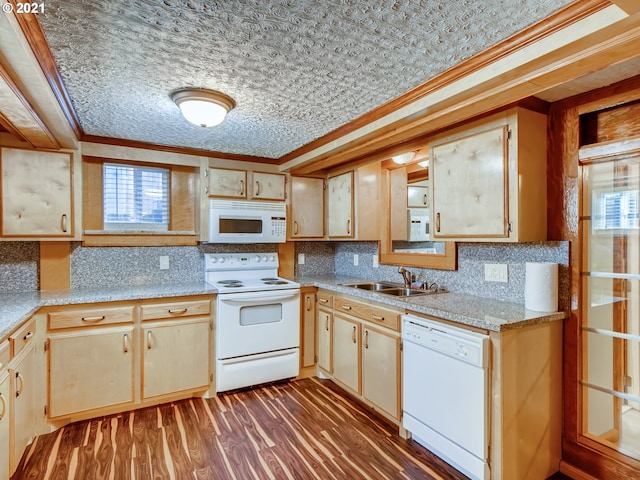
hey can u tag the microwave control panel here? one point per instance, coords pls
(278, 226)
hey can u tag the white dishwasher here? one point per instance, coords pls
(445, 392)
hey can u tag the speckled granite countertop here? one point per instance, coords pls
(15, 307)
(486, 313)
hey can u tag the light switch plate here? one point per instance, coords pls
(496, 272)
(301, 259)
(164, 262)
(356, 259)
(375, 261)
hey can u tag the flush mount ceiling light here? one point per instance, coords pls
(404, 158)
(202, 107)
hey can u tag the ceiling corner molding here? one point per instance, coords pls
(120, 142)
(565, 17)
(19, 118)
(37, 40)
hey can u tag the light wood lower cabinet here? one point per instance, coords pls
(5, 418)
(381, 369)
(105, 358)
(176, 356)
(23, 372)
(91, 368)
(359, 347)
(307, 327)
(346, 352)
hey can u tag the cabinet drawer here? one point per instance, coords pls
(5, 354)
(22, 337)
(175, 309)
(371, 313)
(91, 317)
(325, 299)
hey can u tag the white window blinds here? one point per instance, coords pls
(616, 209)
(135, 198)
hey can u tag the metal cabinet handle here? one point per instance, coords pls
(438, 222)
(206, 190)
(377, 318)
(366, 339)
(424, 199)
(27, 337)
(178, 311)
(63, 223)
(308, 304)
(4, 406)
(353, 334)
(125, 343)
(149, 340)
(241, 187)
(346, 307)
(21, 378)
(326, 324)
(323, 300)
(93, 319)
(295, 227)
(257, 188)
(349, 227)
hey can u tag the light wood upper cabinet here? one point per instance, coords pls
(488, 179)
(90, 368)
(418, 196)
(227, 183)
(37, 193)
(268, 186)
(340, 206)
(307, 208)
(176, 356)
(5, 416)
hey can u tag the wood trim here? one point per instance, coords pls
(629, 6)
(55, 265)
(286, 259)
(121, 142)
(35, 133)
(37, 40)
(138, 240)
(569, 15)
(606, 150)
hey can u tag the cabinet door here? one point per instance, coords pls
(346, 352)
(5, 395)
(417, 196)
(340, 206)
(225, 182)
(36, 193)
(324, 331)
(380, 369)
(90, 368)
(307, 207)
(269, 186)
(307, 329)
(25, 417)
(470, 191)
(176, 356)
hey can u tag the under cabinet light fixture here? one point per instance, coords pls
(202, 107)
(404, 158)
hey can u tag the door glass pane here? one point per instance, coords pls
(610, 295)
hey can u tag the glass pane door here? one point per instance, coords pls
(610, 305)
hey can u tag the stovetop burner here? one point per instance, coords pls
(229, 282)
(269, 279)
(275, 281)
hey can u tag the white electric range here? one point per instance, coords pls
(257, 319)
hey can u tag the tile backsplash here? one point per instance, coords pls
(19, 266)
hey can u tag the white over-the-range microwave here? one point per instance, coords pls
(238, 221)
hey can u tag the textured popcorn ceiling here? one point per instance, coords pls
(297, 69)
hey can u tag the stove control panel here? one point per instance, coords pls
(240, 261)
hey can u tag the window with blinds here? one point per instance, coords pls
(136, 198)
(617, 209)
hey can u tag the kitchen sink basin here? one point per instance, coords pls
(389, 288)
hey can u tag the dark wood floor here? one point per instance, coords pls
(306, 429)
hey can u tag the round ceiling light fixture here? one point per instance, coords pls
(404, 158)
(203, 107)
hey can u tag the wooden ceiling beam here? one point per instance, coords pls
(608, 46)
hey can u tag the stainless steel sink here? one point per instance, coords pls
(389, 288)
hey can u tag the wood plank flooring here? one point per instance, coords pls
(307, 429)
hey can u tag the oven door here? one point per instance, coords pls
(257, 322)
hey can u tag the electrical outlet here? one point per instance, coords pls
(301, 259)
(375, 261)
(496, 272)
(356, 259)
(164, 262)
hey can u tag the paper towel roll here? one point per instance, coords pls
(541, 287)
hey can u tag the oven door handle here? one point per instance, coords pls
(258, 298)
